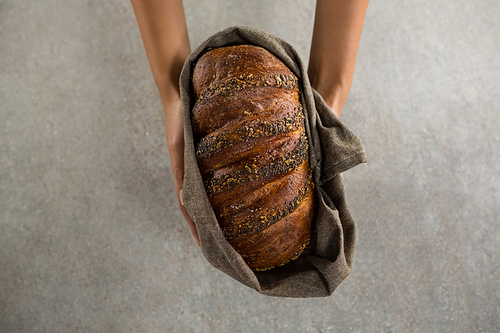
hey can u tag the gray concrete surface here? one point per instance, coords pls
(90, 237)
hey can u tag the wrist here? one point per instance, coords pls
(171, 103)
(333, 95)
(173, 121)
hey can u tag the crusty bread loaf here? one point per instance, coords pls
(252, 152)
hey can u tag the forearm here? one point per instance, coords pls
(164, 33)
(336, 35)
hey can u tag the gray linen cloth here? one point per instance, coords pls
(333, 149)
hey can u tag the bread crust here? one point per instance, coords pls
(252, 152)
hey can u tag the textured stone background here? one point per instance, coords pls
(90, 236)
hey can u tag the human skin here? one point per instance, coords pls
(162, 23)
(164, 33)
(336, 34)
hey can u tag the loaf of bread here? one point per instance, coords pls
(252, 153)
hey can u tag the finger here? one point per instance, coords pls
(190, 222)
(177, 162)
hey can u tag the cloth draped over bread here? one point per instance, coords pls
(333, 149)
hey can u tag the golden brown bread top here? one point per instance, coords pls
(220, 64)
(252, 153)
(262, 203)
(241, 104)
(264, 250)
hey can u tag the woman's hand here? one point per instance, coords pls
(175, 144)
(164, 33)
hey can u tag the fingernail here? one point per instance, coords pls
(180, 197)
